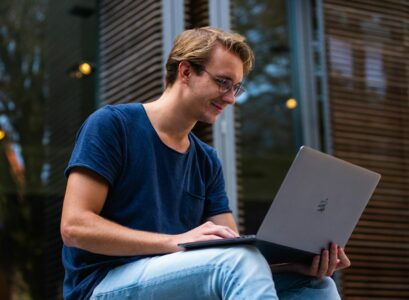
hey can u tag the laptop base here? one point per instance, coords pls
(273, 253)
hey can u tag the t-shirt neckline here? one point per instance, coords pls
(155, 133)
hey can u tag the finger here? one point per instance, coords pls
(222, 231)
(234, 233)
(344, 261)
(323, 263)
(208, 237)
(227, 233)
(315, 264)
(229, 230)
(333, 259)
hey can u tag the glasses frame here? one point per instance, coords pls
(226, 85)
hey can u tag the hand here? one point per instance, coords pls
(325, 264)
(204, 232)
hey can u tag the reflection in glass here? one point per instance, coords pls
(374, 70)
(340, 55)
(37, 99)
(267, 132)
(22, 119)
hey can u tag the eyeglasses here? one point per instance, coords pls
(226, 85)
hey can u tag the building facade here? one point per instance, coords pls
(330, 74)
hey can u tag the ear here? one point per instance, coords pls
(184, 71)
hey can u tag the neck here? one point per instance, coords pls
(170, 117)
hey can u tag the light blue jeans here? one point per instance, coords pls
(231, 273)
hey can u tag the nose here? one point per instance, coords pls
(229, 97)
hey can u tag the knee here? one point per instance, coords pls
(327, 284)
(246, 252)
(242, 270)
(244, 257)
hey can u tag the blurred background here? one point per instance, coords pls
(330, 74)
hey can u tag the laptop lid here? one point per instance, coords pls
(320, 201)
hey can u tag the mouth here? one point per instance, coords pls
(218, 107)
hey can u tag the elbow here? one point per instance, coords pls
(69, 234)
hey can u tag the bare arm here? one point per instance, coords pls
(84, 228)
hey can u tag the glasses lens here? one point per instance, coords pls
(225, 85)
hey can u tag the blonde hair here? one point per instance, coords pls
(196, 45)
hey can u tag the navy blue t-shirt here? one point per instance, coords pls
(151, 186)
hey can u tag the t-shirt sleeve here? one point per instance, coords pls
(99, 145)
(216, 197)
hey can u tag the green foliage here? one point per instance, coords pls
(266, 123)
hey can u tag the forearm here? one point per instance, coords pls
(83, 227)
(95, 234)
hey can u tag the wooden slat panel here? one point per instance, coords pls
(367, 46)
(130, 51)
(366, 7)
(197, 15)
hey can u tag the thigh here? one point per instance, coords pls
(171, 276)
(210, 273)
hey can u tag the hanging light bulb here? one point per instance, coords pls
(2, 134)
(85, 68)
(291, 103)
(80, 70)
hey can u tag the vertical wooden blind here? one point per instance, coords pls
(367, 46)
(130, 51)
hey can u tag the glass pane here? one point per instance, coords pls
(268, 115)
(43, 100)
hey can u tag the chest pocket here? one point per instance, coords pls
(193, 208)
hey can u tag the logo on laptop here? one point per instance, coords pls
(322, 205)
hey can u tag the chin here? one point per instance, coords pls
(209, 117)
(209, 120)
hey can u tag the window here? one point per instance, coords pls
(269, 130)
(44, 98)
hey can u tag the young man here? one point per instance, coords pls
(140, 183)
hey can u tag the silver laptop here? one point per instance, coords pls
(320, 201)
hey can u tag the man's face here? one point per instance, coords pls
(208, 88)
